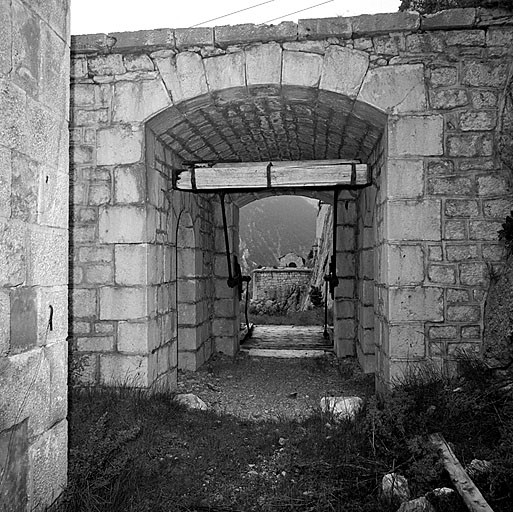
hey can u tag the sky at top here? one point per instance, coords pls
(93, 16)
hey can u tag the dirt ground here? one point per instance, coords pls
(260, 388)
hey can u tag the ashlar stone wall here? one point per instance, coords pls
(34, 77)
(421, 105)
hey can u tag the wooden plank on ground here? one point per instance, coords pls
(470, 494)
(250, 175)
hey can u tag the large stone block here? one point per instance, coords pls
(106, 65)
(407, 341)
(14, 466)
(48, 462)
(131, 263)
(225, 71)
(24, 188)
(302, 69)
(395, 89)
(5, 182)
(119, 145)
(236, 34)
(484, 74)
(53, 205)
(318, 28)
(120, 369)
(57, 354)
(413, 220)
(416, 304)
(13, 254)
(5, 38)
(415, 135)
(129, 184)
(83, 303)
(23, 319)
(122, 224)
(25, 389)
(133, 337)
(184, 75)
(470, 145)
(405, 264)
(343, 70)
(122, 303)
(54, 81)
(48, 263)
(263, 64)
(134, 102)
(405, 178)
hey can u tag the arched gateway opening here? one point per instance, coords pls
(260, 104)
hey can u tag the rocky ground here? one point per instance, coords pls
(261, 388)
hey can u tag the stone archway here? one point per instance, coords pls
(418, 237)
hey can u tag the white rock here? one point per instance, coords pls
(444, 492)
(395, 486)
(191, 401)
(341, 407)
(418, 505)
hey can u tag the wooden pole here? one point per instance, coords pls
(470, 494)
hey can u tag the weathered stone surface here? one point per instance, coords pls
(325, 27)
(477, 121)
(23, 317)
(442, 274)
(417, 505)
(106, 65)
(470, 145)
(498, 318)
(133, 337)
(484, 74)
(383, 23)
(119, 145)
(122, 224)
(137, 101)
(197, 36)
(263, 64)
(48, 257)
(341, 407)
(301, 69)
(343, 71)
(14, 466)
(444, 76)
(418, 303)
(408, 341)
(248, 33)
(122, 303)
(448, 99)
(118, 369)
(405, 265)
(150, 39)
(416, 135)
(449, 19)
(83, 303)
(395, 88)
(191, 401)
(184, 75)
(394, 485)
(225, 71)
(131, 264)
(414, 220)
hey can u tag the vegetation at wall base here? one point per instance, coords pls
(135, 451)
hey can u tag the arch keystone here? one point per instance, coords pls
(343, 70)
(263, 64)
(225, 71)
(303, 69)
(183, 75)
(395, 89)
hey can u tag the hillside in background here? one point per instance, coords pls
(274, 226)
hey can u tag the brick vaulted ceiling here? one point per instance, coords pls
(270, 123)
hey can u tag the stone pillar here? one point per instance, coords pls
(345, 293)
(34, 73)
